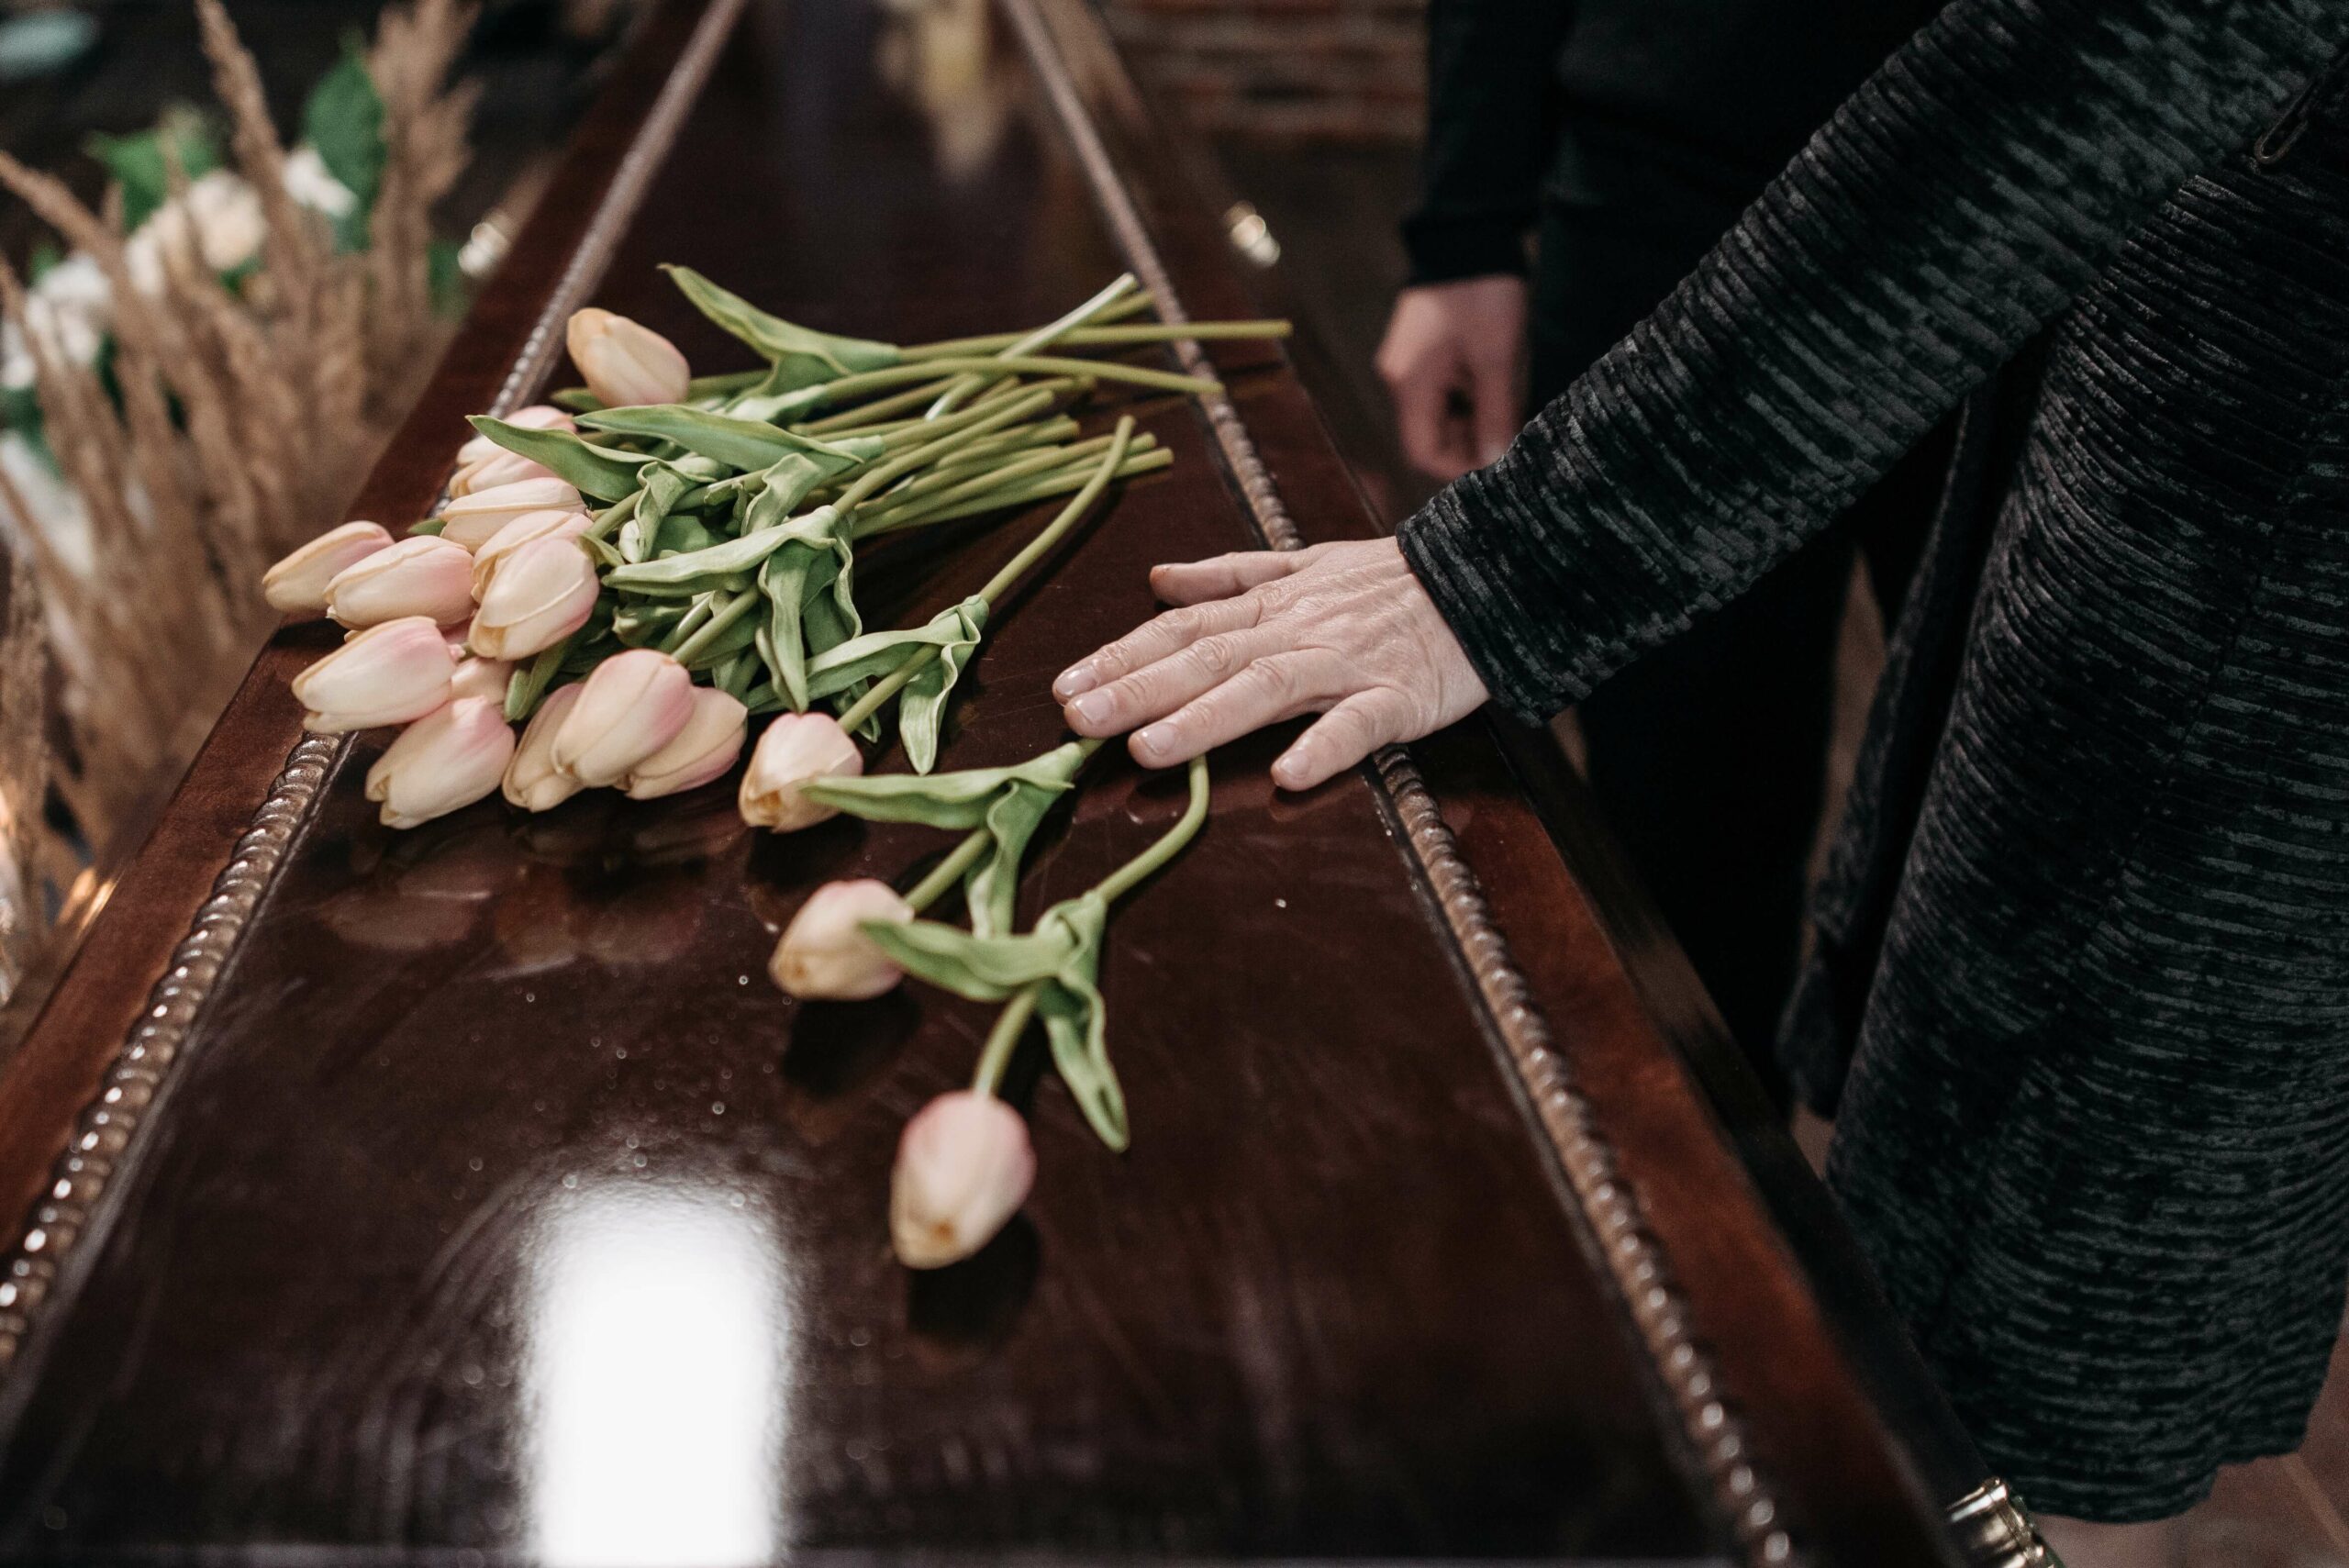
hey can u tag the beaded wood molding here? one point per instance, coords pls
(1607, 1206)
(102, 1138)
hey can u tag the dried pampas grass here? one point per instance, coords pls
(240, 423)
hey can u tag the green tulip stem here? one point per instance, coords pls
(850, 421)
(1107, 337)
(613, 515)
(947, 508)
(949, 871)
(1004, 1039)
(965, 386)
(880, 477)
(1133, 304)
(914, 664)
(850, 387)
(715, 627)
(1129, 876)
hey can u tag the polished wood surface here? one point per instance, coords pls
(496, 1204)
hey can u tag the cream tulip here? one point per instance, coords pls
(500, 467)
(540, 595)
(796, 747)
(703, 750)
(386, 674)
(448, 758)
(630, 706)
(519, 532)
(299, 581)
(471, 520)
(537, 417)
(825, 955)
(532, 781)
(480, 678)
(625, 363)
(420, 576)
(964, 1166)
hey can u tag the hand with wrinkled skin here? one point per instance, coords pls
(1343, 630)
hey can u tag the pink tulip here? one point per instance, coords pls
(480, 678)
(825, 954)
(540, 595)
(537, 417)
(451, 757)
(704, 748)
(299, 581)
(964, 1166)
(519, 532)
(470, 520)
(630, 706)
(532, 781)
(500, 467)
(796, 747)
(420, 576)
(625, 364)
(386, 674)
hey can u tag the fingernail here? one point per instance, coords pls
(1092, 707)
(1078, 677)
(1287, 768)
(1154, 743)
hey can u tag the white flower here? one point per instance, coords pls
(308, 182)
(221, 212)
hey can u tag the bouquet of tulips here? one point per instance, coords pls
(636, 571)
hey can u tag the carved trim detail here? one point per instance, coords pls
(102, 1135)
(1609, 1206)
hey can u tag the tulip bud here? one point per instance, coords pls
(448, 758)
(796, 748)
(532, 781)
(964, 1166)
(299, 581)
(630, 706)
(625, 364)
(480, 678)
(537, 417)
(470, 520)
(825, 955)
(519, 532)
(540, 595)
(420, 576)
(704, 748)
(500, 467)
(386, 674)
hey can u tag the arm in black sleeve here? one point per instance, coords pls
(1492, 131)
(1954, 206)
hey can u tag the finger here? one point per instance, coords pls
(1157, 690)
(1155, 639)
(1342, 737)
(1496, 414)
(1188, 583)
(1277, 686)
(1420, 400)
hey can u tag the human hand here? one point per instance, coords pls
(1462, 340)
(1344, 631)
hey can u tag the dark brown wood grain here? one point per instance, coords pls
(497, 1198)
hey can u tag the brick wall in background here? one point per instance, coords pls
(1349, 71)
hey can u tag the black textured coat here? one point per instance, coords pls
(2083, 995)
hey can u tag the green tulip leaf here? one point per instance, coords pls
(801, 357)
(957, 800)
(1077, 1022)
(599, 471)
(810, 603)
(743, 444)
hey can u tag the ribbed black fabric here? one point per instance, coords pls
(2095, 1133)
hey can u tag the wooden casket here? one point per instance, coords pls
(468, 1195)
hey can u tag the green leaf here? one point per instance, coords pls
(800, 356)
(983, 969)
(599, 471)
(738, 443)
(991, 892)
(733, 559)
(811, 605)
(344, 120)
(876, 653)
(944, 800)
(137, 163)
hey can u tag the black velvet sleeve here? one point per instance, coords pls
(1492, 131)
(1954, 206)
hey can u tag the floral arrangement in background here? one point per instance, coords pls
(194, 378)
(637, 572)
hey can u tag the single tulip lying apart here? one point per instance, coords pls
(825, 953)
(625, 363)
(795, 749)
(964, 1166)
